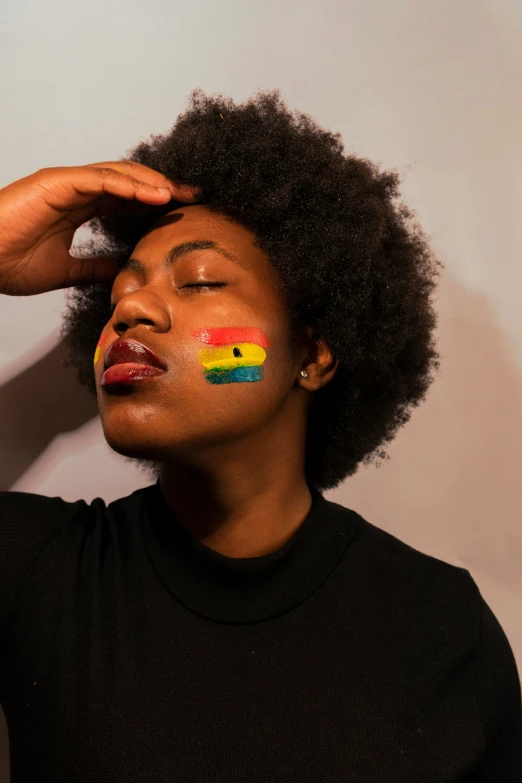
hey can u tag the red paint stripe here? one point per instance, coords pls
(230, 334)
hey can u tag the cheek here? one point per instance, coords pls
(241, 363)
(97, 351)
(230, 388)
(232, 355)
(200, 403)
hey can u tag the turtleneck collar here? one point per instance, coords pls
(245, 590)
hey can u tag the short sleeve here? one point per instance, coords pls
(499, 700)
(27, 521)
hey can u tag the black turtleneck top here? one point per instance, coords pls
(130, 651)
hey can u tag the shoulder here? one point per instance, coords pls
(442, 604)
(413, 597)
(393, 562)
(40, 528)
(29, 517)
(29, 522)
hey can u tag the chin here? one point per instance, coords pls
(140, 438)
(134, 448)
(131, 436)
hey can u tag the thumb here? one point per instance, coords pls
(89, 270)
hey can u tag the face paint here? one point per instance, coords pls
(237, 355)
(97, 351)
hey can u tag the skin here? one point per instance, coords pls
(232, 455)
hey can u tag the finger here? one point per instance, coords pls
(179, 191)
(106, 180)
(85, 271)
(71, 189)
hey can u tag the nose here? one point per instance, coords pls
(140, 308)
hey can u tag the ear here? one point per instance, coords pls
(319, 362)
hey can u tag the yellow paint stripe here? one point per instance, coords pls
(223, 357)
(96, 355)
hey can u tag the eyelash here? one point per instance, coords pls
(203, 285)
(187, 285)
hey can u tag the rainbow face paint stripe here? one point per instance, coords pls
(97, 351)
(236, 355)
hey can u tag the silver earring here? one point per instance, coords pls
(304, 373)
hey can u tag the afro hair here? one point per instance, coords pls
(352, 259)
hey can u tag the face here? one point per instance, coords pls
(231, 368)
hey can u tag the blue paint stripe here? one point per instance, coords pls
(238, 374)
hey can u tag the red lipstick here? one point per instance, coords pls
(129, 360)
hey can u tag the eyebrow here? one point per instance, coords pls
(135, 265)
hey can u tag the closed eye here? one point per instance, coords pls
(203, 285)
(187, 285)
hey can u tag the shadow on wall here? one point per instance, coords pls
(451, 487)
(42, 402)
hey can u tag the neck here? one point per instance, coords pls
(242, 502)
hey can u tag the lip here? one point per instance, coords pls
(134, 352)
(129, 360)
(128, 373)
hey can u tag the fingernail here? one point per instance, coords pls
(186, 191)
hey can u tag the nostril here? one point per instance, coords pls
(122, 326)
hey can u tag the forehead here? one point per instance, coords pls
(198, 223)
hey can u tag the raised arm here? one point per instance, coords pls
(40, 213)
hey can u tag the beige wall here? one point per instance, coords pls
(430, 88)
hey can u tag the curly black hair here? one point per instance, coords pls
(353, 262)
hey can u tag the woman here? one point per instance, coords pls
(259, 329)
